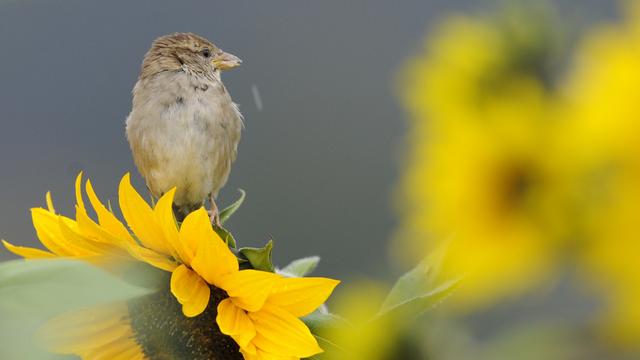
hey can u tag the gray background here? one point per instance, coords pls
(319, 161)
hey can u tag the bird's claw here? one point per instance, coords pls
(214, 214)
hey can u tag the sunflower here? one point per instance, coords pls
(496, 195)
(485, 172)
(604, 96)
(469, 62)
(259, 310)
(367, 336)
(99, 332)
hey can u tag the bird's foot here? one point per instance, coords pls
(214, 214)
(215, 218)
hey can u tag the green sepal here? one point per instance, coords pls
(260, 258)
(301, 267)
(226, 236)
(226, 213)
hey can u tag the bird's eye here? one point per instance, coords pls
(206, 53)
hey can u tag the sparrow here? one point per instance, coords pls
(184, 128)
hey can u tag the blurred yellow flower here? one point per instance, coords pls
(605, 104)
(362, 338)
(469, 62)
(485, 169)
(100, 332)
(260, 310)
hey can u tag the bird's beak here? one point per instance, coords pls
(225, 61)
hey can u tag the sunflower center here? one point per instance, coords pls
(163, 332)
(514, 185)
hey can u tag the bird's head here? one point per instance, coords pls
(189, 52)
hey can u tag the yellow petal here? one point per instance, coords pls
(213, 259)
(94, 237)
(125, 348)
(98, 333)
(190, 290)
(78, 188)
(27, 252)
(50, 202)
(235, 322)
(85, 246)
(91, 229)
(182, 280)
(261, 355)
(196, 228)
(140, 218)
(151, 257)
(249, 289)
(280, 333)
(301, 296)
(249, 352)
(48, 231)
(121, 248)
(164, 214)
(85, 329)
(86, 225)
(109, 221)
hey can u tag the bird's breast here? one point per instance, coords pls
(184, 133)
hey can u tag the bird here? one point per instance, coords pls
(184, 128)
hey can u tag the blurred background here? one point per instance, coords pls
(376, 133)
(319, 161)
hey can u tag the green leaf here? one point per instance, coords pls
(321, 320)
(231, 209)
(328, 346)
(418, 290)
(145, 276)
(260, 258)
(301, 267)
(226, 236)
(411, 308)
(32, 292)
(416, 281)
(81, 281)
(544, 339)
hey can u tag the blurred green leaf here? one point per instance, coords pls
(226, 236)
(415, 282)
(32, 292)
(260, 258)
(145, 276)
(301, 267)
(543, 340)
(85, 283)
(412, 307)
(326, 345)
(418, 290)
(322, 320)
(231, 209)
